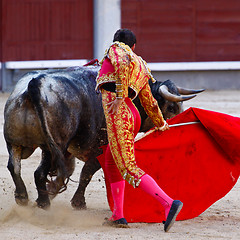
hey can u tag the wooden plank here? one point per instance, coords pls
(216, 33)
(165, 4)
(219, 16)
(218, 52)
(216, 5)
(181, 52)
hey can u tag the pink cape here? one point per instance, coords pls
(197, 164)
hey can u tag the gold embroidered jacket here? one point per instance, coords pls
(128, 71)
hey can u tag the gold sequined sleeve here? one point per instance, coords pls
(151, 106)
(121, 64)
(151, 76)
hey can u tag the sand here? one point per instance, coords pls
(220, 221)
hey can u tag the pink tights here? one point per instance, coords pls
(148, 185)
(117, 183)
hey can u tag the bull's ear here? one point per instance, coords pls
(164, 92)
(186, 91)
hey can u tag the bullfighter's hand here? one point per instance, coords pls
(114, 105)
(164, 127)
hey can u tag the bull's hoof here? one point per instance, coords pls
(21, 199)
(43, 204)
(78, 205)
(52, 189)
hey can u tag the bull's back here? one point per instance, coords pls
(71, 107)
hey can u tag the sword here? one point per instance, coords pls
(182, 124)
(137, 138)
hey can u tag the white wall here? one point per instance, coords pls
(107, 20)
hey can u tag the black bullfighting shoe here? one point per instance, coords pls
(174, 210)
(120, 223)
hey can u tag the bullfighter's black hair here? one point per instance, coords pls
(126, 36)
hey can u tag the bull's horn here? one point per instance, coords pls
(163, 90)
(186, 91)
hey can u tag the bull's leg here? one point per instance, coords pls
(40, 176)
(55, 185)
(89, 168)
(14, 166)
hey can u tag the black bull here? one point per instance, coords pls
(60, 112)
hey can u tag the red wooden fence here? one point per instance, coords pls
(184, 30)
(171, 31)
(46, 29)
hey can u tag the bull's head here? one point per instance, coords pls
(170, 99)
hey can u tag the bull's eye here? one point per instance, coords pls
(171, 109)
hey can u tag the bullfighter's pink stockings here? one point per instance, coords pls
(117, 190)
(149, 186)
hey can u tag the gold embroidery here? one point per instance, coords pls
(121, 63)
(151, 106)
(109, 77)
(120, 128)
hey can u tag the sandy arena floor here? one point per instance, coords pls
(220, 221)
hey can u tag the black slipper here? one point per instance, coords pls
(175, 209)
(120, 223)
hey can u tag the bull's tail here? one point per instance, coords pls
(34, 87)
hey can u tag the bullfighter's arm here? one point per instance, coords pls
(151, 106)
